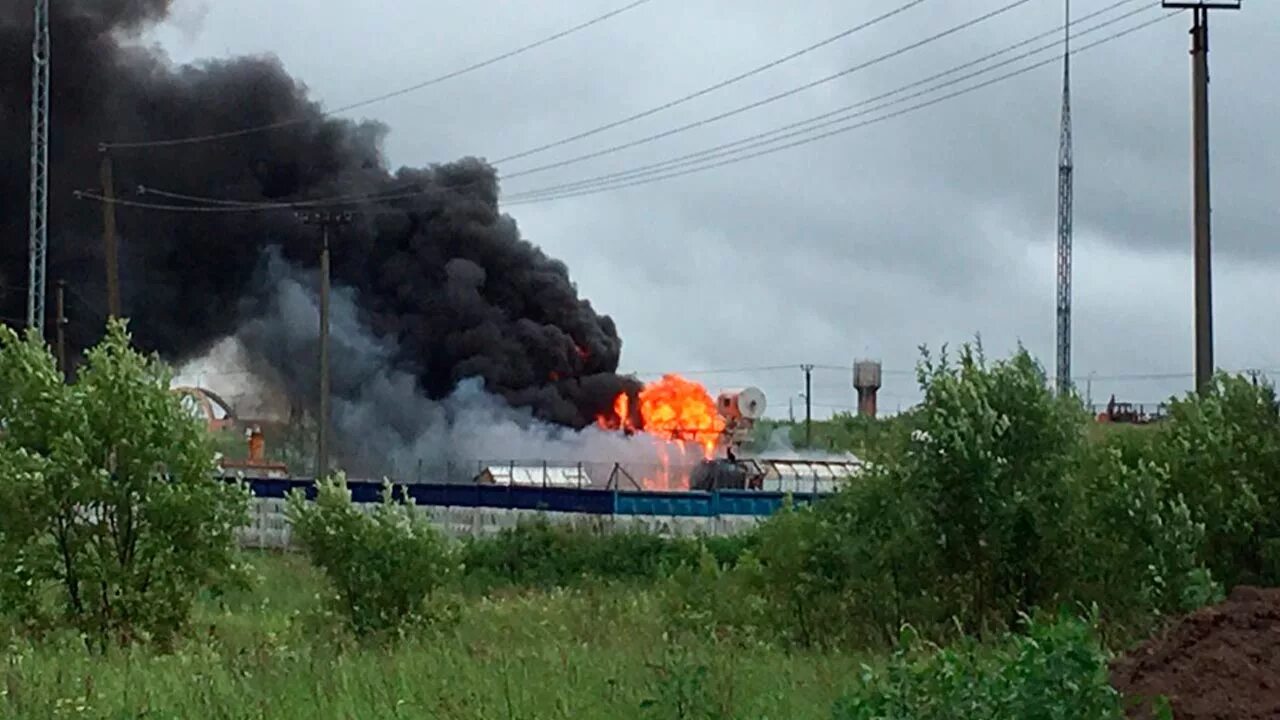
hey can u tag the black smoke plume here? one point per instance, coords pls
(443, 278)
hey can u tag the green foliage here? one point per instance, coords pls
(1056, 670)
(679, 690)
(997, 504)
(969, 521)
(1223, 453)
(112, 519)
(591, 652)
(542, 554)
(990, 469)
(383, 565)
(1137, 543)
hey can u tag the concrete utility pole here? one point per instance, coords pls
(110, 246)
(1200, 188)
(808, 404)
(325, 220)
(39, 211)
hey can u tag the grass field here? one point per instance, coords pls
(590, 653)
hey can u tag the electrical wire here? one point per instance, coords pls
(195, 139)
(831, 133)
(770, 99)
(394, 194)
(716, 371)
(217, 205)
(717, 86)
(552, 193)
(814, 123)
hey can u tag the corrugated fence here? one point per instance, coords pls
(475, 509)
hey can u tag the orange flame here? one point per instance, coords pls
(678, 411)
(672, 408)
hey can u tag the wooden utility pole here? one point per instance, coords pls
(325, 220)
(1200, 186)
(62, 328)
(110, 246)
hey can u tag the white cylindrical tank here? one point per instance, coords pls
(746, 403)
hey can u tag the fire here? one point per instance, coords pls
(674, 409)
(681, 413)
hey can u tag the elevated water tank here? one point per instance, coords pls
(866, 380)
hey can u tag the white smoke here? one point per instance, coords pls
(224, 369)
(780, 447)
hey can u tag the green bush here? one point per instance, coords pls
(995, 506)
(693, 599)
(1055, 670)
(991, 467)
(383, 565)
(541, 554)
(1138, 545)
(112, 520)
(1223, 453)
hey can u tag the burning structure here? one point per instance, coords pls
(706, 441)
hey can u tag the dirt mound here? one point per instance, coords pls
(1219, 663)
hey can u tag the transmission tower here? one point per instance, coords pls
(1065, 166)
(39, 166)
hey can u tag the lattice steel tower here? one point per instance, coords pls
(39, 166)
(1064, 218)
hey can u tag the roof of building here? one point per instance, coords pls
(535, 474)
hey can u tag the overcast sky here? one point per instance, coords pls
(923, 229)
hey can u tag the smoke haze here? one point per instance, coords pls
(383, 425)
(430, 291)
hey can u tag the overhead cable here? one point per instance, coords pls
(841, 114)
(716, 86)
(838, 131)
(646, 174)
(195, 139)
(770, 99)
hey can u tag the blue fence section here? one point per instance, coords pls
(578, 500)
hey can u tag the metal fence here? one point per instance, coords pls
(590, 500)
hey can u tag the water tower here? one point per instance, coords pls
(866, 380)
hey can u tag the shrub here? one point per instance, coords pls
(996, 506)
(1138, 545)
(541, 554)
(1223, 452)
(383, 565)
(1055, 670)
(108, 495)
(991, 465)
(969, 521)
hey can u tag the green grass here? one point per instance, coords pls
(595, 652)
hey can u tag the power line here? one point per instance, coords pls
(379, 98)
(351, 199)
(557, 191)
(770, 99)
(218, 205)
(524, 200)
(716, 371)
(656, 172)
(717, 86)
(839, 114)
